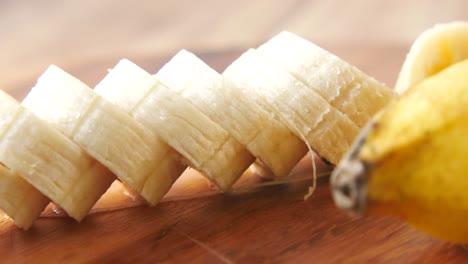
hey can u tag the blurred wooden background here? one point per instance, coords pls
(270, 225)
(35, 34)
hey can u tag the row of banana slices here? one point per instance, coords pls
(67, 143)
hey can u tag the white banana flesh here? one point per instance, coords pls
(48, 160)
(305, 112)
(195, 81)
(120, 143)
(202, 143)
(345, 87)
(20, 200)
(118, 88)
(250, 125)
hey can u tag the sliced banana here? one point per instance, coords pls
(107, 133)
(49, 160)
(200, 141)
(68, 141)
(200, 85)
(345, 87)
(20, 200)
(267, 139)
(181, 74)
(305, 112)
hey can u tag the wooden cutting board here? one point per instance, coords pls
(266, 224)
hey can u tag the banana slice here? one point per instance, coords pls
(118, 88)
(196, 87)
(248, 123)
(434, 50)
(345, 87)
(202, 143)
(303, 111)
(20, 200)
(111, 136)
(49, 161)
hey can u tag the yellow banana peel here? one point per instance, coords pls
(411, 160)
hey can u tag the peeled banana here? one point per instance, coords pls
(124, 146)
(305, 113)
(343, 86)
(48, 160)
(201, 142)
(20, 200)
(205, 89)
(67, 142)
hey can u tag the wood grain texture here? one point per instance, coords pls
(270, 225)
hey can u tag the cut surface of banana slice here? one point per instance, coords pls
(248, 123)
(202, 143)
(434, 50)
(302, 110)
(190, 78)
(345, 87)
(123, 145)
(49, 160)
(20, 200)
(119, 87)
